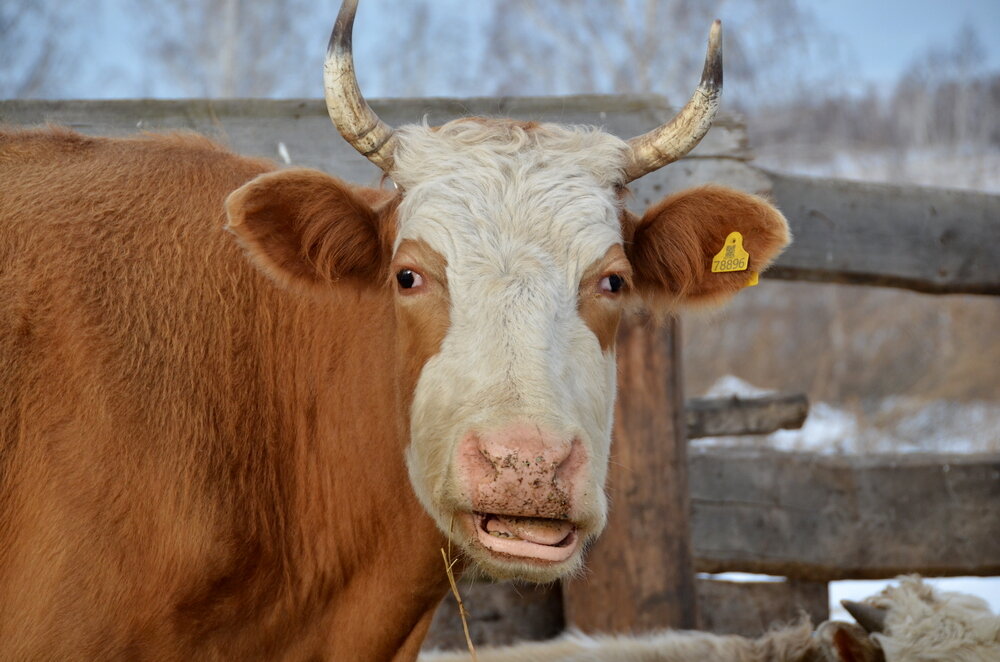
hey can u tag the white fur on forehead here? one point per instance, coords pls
(427, 152)
(550, 185)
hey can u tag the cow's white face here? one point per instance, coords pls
(505, 254)
(511, 269)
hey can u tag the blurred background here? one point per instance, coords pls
(898, 91)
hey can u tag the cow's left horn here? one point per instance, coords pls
(665, 144)
(350, 113)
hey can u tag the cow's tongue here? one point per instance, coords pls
(536, 530)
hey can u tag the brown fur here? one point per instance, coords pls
(181, 461)
(304, 227)
(196, 463)
(423, 317)
(601, 311)
(672, 246)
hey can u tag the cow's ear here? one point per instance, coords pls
(307, 229)
(673, 245)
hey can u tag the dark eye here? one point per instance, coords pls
(408, 279)
(612, 283)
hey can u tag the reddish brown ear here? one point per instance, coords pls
(305, 228)
(673, 244)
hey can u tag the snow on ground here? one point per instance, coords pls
(937, 426)
(893, 425)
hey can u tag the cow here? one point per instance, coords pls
(244, 407)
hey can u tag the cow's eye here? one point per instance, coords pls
(409, 279)
(612, 283)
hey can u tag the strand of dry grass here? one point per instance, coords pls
(449, 565)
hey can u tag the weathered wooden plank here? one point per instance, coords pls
(716, 417)
(824, 518)
(930, 240)
(498, 614)
(642, 563)
(752, 608)
(301, 130)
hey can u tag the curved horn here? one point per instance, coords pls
(872, 619)
(350, 113)
(665, 144)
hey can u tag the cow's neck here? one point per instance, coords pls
(373, 554)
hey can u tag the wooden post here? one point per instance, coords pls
(640, 573)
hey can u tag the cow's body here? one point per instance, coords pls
(254, 444)
(211, 452)
(184, 474)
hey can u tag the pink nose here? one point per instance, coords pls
(521, 470)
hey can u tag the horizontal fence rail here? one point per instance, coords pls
(929, 240)
(824, 518)
(735, 415)
(937, 241)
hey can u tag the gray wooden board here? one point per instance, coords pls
(823, 518)
(498, 614)
(716, 417)
(752, 608)
(301, 129)
(926, 239)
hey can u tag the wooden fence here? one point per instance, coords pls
(808, 518)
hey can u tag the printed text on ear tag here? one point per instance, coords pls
(732, 257)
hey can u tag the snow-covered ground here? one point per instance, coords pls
(939, 426)
(893, 425)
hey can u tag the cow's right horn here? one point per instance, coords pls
(665, 144)
(350, 113)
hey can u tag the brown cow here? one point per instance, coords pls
(253, 447)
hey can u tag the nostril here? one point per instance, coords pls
(523, 449)
(487, 461)
(572, 462)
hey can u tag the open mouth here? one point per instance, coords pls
(537, 538)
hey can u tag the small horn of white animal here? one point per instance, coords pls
(350, 113)
(872, 619)
(671, 141)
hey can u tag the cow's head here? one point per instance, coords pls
(511, 259)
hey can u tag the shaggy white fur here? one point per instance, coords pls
(927, 625)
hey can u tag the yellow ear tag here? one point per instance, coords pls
(732, 257)
(754, 279)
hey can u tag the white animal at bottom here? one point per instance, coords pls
(907, 622)
(914, 622)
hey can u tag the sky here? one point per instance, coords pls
(879, 38)
(883, 36)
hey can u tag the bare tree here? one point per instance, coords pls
(234, 48)
(29, 32)
(618, 46)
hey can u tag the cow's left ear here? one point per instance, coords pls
(673, 245)
(307, 229)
